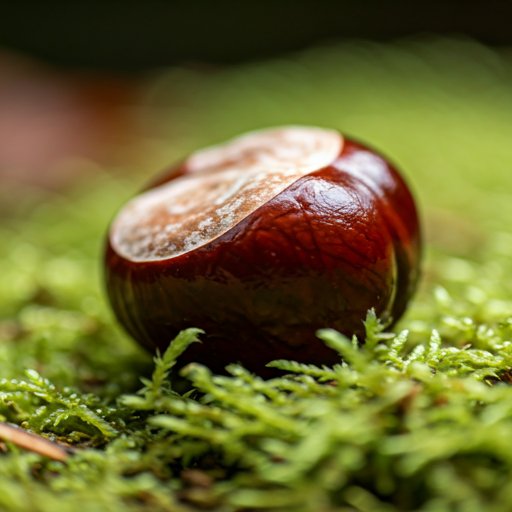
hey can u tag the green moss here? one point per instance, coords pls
(416, 420)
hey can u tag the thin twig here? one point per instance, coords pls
(34, 442)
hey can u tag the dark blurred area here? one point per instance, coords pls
(134, 35)
(74, 74)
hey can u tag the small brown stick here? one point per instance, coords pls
(33, 442)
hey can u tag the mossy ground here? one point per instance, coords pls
(416, 421)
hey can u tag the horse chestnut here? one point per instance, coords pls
(260, 242)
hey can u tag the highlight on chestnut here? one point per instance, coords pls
(260, 242)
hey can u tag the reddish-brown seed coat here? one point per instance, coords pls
(335, 243)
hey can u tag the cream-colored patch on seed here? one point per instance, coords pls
(226, 184)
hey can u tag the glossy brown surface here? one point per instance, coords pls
(335, 243)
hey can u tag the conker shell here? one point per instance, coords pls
(262, 241)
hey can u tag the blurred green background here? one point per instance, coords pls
(98, 97)
(131, 86)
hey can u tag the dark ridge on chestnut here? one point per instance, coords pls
(262, 241)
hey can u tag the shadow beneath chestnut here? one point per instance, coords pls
(216, 353)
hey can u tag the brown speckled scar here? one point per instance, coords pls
(224, 185)
(260, 242)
